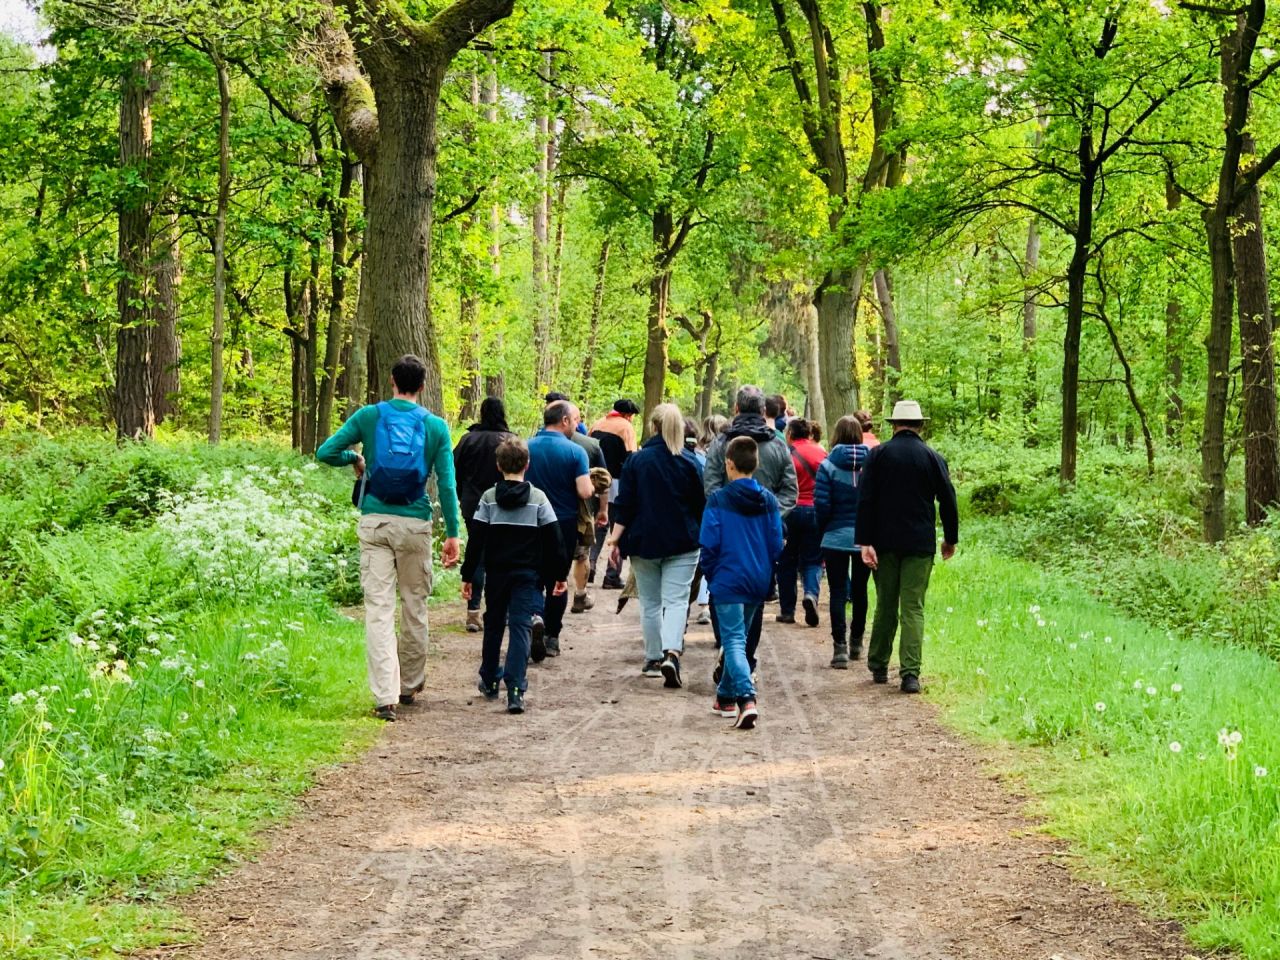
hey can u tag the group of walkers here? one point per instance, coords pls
(718, 518)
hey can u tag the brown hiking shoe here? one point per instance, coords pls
(473, 621)
(579, 603)
(408, 698)
(387, 713)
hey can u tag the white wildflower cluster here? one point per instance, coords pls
(239, 533)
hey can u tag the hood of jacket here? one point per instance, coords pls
(746, 497)
(512, 493)
(841, 456)
(751, 425)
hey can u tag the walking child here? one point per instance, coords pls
(515, 537)
(741, 540)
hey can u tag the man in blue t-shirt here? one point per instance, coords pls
(559, 468)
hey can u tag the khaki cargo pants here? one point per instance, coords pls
(395, 552)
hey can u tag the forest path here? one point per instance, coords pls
(618, 819)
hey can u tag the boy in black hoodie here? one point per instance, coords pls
(516, 537)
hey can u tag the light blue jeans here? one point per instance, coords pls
(663, 587)
(735, 681)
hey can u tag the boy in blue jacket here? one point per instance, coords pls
(741, 541)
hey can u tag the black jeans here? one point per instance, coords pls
(554, 607)
(847, 576)
(477, 582)
(511, 599)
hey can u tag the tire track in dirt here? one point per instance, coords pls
(620, 820)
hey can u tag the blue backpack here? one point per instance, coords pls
(399, 477)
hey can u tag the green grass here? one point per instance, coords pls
(1094, 703)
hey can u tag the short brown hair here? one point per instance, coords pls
(744, 454)
(848, 430)
(513, 456)
(799, 429)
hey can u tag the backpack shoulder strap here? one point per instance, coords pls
(808, 467)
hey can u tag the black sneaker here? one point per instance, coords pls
(840, 657)
(553, 646)
(855, 651)
(718, 671)
(784, 618)
(537, 643)
(910, 684)
(515, 701)
(387, 713)
(671, 671)
(880, 674)
(611, 583)
(489, 690)
(810, 610)
(651, 668)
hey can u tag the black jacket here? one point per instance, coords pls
(900, 482)
(514, 529)
(660, 502)
(475, 466)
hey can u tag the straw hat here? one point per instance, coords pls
(906, 411)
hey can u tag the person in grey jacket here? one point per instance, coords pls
(776, 472)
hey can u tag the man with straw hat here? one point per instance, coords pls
(896, 528)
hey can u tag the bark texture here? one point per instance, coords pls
(166, 344)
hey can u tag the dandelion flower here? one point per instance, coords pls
(1137, 684)
(1236, 738)
(1176, 747)
(199, 684)
(1100, 707)
(1106, 639)
(1259, 771)
(1224, 737)
(1176, 688)
(1151, 691)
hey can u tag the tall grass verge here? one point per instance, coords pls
(1156, 755)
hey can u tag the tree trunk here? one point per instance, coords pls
(1076, 274)
(217, 378)
(1031, 264)
(472, 391)
(166, 345)
(1258, 368)
(892, 358)
(339, 269)
(655, 356)
(1213, 466)
(495, 383)
(134, 406)
(357, 370)
(541, 217)
(1172, 337)
(395, 282)
(837, 306)
(710, 374)
(311, 344)
(597, 313)
(813, 365)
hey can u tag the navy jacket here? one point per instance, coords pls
(660, 502)
(902, 479)
(741, 542)
(835, 495)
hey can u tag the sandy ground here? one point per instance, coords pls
(618, 819)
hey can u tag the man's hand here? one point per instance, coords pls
(615, 557)
(466, 591)
(561, 588)
(358, 465)
(602, 517)
(948, 550)
(869, 558)
(450, 552)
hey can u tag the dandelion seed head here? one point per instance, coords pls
(1176, 747)
(1100, 707)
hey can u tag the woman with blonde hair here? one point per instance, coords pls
(657, 520)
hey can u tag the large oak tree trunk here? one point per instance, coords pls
(597, 314)
(892, 357)
(134, 405)
(837, 307)
(166, 345)
(655, 356)
(339, 270)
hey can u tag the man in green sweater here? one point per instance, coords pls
(401, 445)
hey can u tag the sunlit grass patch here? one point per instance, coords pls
(1157, 755)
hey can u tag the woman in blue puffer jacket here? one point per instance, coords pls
(835, 500)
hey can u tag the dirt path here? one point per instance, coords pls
(617, 819)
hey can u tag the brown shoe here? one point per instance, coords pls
(408, 698)
(473, 621)
(387, 713)
(579, 603)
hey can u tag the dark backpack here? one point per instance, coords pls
(399, 476)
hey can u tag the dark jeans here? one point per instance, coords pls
(802, 554)
(753, 631)
(553, 607)
(477, 582)
(847, 576)
(610, 571)
(511, 599)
